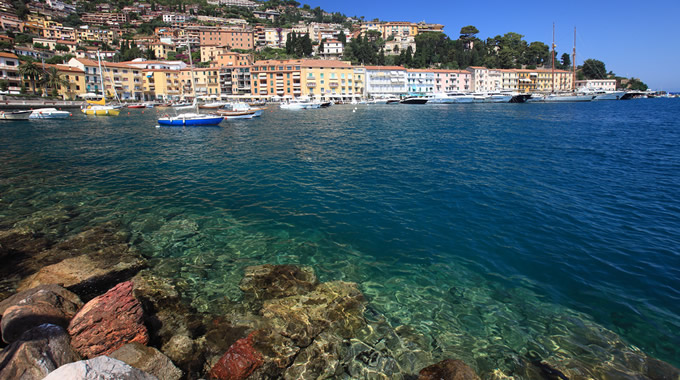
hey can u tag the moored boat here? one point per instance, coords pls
(190, 120)
(49, 113)
(414, 100)
(99, 107)
(213, 105)
(233, 115)
(15, 115)
(136, 106)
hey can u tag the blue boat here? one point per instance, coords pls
(190, 120)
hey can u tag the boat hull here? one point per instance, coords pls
(17, 115)
(49, 113)
(101, 112)
(190, 122)
(561, 99)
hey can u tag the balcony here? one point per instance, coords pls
(311, 84)
(333, 84)
(311, 77)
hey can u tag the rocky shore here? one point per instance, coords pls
(91, 306)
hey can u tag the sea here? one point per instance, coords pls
(496, 231)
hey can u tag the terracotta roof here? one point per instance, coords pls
(90, 62)
(325, 63)
(8, 55)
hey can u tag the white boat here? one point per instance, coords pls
(49, 113)
(499, 97)
(245, 107)
(15, 115)
(600, 94)
(213, 105)
(300, 105)
(449, 98)
(560, 98)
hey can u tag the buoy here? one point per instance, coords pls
(142, 111)
(70, 114)
(128, 112)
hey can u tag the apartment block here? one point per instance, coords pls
(9, 71)
(235, 81)
(328, 79)
(386, 81)
(420, 81)
(233, 38)
(101, 18)
(276, 78)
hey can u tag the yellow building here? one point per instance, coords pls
(329, 79)
(120, 79)
(206, 82)
(76, 79)
(162, 84)
(399, 28)
(161, 49)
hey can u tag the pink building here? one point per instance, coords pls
(452, 80)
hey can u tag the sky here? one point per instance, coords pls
(633, 38)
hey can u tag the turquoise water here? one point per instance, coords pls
(496, 231)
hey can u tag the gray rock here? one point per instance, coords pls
(147, 359)
(45, 304)
(38, 352)
(263, 282)
(99, 368)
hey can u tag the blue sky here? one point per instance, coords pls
(633, 38)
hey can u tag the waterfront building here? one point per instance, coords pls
(485, 80)
(234, 38)
(452, 80)
(386, 81)
(161, 84)
(9, 71)
(144, 64)
(75, 78)
(539, 80)
(231, 58)
(276, 78)
(235, 81)
(509, 79)
(206, 82)
(90, 69)
(597, 84)
(330, 80)
(420, 81)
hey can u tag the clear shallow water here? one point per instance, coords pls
(494, 230)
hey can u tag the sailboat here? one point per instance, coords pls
(554, 97)
(99, 107)
(191, 119)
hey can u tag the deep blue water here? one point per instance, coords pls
(471, 223)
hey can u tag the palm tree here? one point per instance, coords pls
(52, 79)
(30, 70)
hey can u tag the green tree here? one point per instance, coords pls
(4, 85)
(594, 69)
(61, 47)
(566, 60)
(342, 37)
(54, 80)
(468, 32)
(30, 71)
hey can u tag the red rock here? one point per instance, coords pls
(108, 322)
(240, 360)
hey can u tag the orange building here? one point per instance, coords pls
(233, 38)
(276, 78)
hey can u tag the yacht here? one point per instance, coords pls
(49, 113)
(603, 94)
(300, 105)
(560, 98)
(99, 107)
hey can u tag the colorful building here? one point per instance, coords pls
(330, 80)
(386, 81)
(233, 38)
(420, 81)
(276, 78)
(9, 71)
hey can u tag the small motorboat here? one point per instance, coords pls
(234, 115)
(212, 106)
(141, 105)
(49, 113)
(326, 104)
(15, 115)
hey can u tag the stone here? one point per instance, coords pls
(99, 368)
(147, 359)
(36, 353)
(91, 274)
(264, 282)
(44, 304)
(108, 322)
(335, 306)
(320, 360)
(278, 353)
(239, 362)
(448, 369)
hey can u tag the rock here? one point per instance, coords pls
(264, 282)
(99, 368)
(36, 353)
(320, 360)
(278, 353)
(108, 322)
(336, 307)
(88, 275)
(448, 369)
(147, 359)
(44, 304)
(180, 348)
(239, 362)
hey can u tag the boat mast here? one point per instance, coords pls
(101, 75)
(191, 68)
(573, 64)
(552, 67)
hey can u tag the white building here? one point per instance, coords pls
(174, 18)
(420, 81)
(386, 81)
(485, 80)
(509, 80)
(597, 84)
(332, 49)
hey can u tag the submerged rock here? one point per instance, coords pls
(45, 304)
(147, 359)
(336, 307)
(99, 368)
(448, 369)
(36, 353)
(264, 282)
(88, 275)
(319, 360)
(108, 322)
(239, 362)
